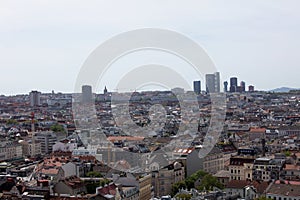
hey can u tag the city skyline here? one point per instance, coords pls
(241, 86)
(256, 41)
(149, 100)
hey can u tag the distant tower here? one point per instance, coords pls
(225, 86)
(217, 82)
(35, 98)
(87, 95)
(212, 82)
(251, 88)
(105, 90)
(243, 86)
(197, 87)
(233, 84)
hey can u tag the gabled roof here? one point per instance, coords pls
(240, 184)
(284, 190)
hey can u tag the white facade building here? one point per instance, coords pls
(64, 146)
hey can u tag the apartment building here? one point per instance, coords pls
(241, 167)
(47, 140)
(164, 178)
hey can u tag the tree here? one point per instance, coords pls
(94, 174)
(57, 128)
(209, 182)
(104, 182)
(183, 196)
(177, 186)
(190, 181)
(287, 153)
(11, 122)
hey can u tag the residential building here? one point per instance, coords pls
(284, 190)
(247, 190)
(31, 148)
(35, 98)
(266, 169)
(11, 150)
(257, 134)
(289, 131)
(74, 169)
(211, 163)
(129, 193)
(64, 145)
(70, 185)
(240, 167)
(47, 140)
(109, 191)
(223, 177)
(145, 187)
(291, 172)
(164, 178)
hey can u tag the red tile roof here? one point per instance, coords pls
(291, 167)
(109, 189)
(239, 184)
(73, 182)
(285, 190)
(257, 130)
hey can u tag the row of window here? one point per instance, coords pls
(282, 198)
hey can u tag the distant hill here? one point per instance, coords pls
(283, 89)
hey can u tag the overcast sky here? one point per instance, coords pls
(43, 44)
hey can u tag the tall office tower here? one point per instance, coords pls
(225, 86)
(35, 98)
(217, 82)
(243, 86)
(233, 84)
(87, 95)
(197, 87)
(210, 83)
(251, 88)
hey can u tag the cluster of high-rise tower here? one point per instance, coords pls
(213, 84)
